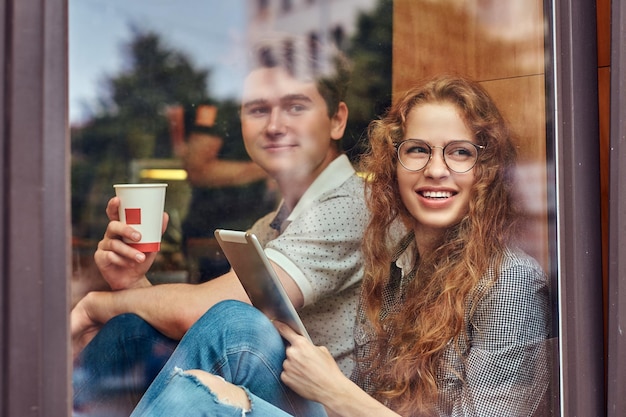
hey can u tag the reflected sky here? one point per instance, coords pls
(208, 31)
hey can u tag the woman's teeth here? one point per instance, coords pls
(437, 194)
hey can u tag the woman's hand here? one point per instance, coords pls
(121, 265)
(310, 370)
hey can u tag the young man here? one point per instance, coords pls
(292, 123)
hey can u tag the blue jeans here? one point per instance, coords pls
(237, 342)
(117, 366)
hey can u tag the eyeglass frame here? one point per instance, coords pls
(397, 145)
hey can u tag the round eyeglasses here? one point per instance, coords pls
(459, 156)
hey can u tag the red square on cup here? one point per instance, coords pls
(133, 215)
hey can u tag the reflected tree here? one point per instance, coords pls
(369, 95)
(129, 123)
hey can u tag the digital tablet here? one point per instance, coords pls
(258, 278)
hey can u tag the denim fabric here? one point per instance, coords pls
(116, 368)
(185, 395)
(237, 342)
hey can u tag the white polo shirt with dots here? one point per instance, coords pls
(319, 245)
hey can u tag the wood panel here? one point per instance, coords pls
(603, 12)
(502, 40)
(522, 102)
(603, 8)
(501, 45)
(604, 119)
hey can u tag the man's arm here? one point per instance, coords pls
(170, 308)
(291, 288)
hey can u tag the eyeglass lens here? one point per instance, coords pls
(460, 156)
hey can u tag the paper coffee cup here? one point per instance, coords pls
(141, 206)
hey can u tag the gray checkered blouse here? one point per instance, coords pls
(503, 369)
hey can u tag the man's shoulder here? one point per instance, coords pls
(352, 187)
(343, 205)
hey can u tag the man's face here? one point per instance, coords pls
(286, 127)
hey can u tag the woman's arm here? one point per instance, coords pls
(312, 372)
(506, 370)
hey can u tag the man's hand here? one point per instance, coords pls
(122, 266)
(83, 328)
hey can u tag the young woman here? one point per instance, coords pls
(453, 319)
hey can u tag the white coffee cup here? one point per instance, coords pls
(141, 207)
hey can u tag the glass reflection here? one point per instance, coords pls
(139, 125)
(168, 110)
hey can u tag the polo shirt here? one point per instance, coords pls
(319, 245)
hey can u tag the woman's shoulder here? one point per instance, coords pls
(516, 258)
(517, 271)
(518, 291)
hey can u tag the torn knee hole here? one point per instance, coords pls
(225, 392)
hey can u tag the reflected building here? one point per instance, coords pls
(316, 21)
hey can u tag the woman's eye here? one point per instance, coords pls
(417, 150)
(460, 152)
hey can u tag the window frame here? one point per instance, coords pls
(35, 208)
(34, 253)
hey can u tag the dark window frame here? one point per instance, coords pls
(574, 116)
(35, 238)
(616, 367)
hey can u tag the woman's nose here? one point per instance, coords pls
(436, 166)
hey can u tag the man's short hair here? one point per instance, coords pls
(306, 59)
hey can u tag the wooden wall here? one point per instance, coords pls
(604, 93)
(501, 45)
(603, 8)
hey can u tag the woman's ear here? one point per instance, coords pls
(339, 121)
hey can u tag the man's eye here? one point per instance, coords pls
(296, 108)
(257, 111)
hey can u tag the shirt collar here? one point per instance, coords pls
(335, 174)
(405, 255)
(406, 261)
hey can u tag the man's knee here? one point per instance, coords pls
(230, 317)
(123, 323)
(225, 315)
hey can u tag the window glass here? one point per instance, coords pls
(137, 72)
(142, 72)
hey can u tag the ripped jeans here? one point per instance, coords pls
(237, 342)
